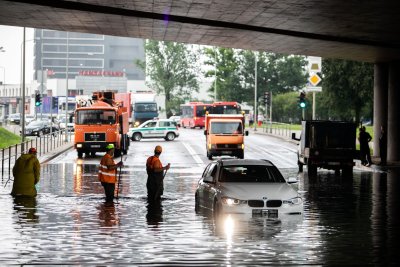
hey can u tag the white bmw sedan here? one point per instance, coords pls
(247, 186)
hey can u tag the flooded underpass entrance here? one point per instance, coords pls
(344, 222)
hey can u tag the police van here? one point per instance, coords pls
(157, 128)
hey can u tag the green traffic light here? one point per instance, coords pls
(302, 104)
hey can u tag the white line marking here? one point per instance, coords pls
(193, 153)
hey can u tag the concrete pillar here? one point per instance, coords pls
(393, 128)
(381, 76)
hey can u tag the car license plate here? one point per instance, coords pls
(226, 152)
(265, 213)
(95, 146)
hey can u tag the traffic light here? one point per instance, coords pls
(55, 102)
(302, 100)
(267, 98)
(38, 100)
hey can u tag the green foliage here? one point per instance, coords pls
(236, 69)
(8, 139)
(347, 90)
(227, 67)
(285, 108)
(173, 71)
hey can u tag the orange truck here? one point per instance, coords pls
(225, 135)
(100, 122)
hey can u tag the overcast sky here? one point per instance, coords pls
(10, 60)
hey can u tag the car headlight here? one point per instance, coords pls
(293, 201)
(232, 201)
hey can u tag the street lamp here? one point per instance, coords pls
(66, 91)
(255, 91)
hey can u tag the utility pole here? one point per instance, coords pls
(255, 91)
(66, 91)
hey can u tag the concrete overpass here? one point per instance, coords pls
(357, 30)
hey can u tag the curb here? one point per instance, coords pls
(55, 153)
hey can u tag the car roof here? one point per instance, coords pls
(235, 162)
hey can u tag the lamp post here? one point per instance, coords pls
(23, 94)
(66, 91)
(255, 91)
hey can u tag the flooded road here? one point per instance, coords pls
(345, 222)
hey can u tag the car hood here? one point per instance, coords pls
(245, 191)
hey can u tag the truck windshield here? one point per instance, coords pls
(145, 107)
(95, 117)
(226, 128)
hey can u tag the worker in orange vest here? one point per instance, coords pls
(155, 175)
(108, 172)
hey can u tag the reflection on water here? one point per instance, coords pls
(345, 221)
(25, 208)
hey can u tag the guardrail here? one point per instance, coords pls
(43, 144)
(282, 129)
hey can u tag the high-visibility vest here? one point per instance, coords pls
(106, 175)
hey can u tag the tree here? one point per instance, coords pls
(172, 69)
(347, 89)
(275, 73)
(225, 67)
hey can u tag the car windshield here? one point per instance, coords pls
(251, 174)
(226, 128)
(95, 117)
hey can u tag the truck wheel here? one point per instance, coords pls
(93, 154)
(136, 137)
(117, 153)
(240, 155)
(209, 156)
(80, 154)
(347, 171)
(312, 170)
(300, 166)
(170, 137)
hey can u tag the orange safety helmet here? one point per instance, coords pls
(158, 149)
(32, 150)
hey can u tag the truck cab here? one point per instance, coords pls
(225, 135)
(327, 144)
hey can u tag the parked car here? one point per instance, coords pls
(70, 125)
(158, 128)
(176, 119)
(247, 186)
(39, 128)
(14, 118)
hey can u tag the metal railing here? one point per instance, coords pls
(43, 144)
(282, 129)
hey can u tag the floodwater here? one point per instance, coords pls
(345, 221)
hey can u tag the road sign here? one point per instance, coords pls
(313, 89)
(314, 79)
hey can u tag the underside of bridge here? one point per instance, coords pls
(352, 29)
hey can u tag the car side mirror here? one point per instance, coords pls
(294, 137)
(205, 132)
(246, 133)
(209, 180)
(292, 180)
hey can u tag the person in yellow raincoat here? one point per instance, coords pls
(26, 172)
